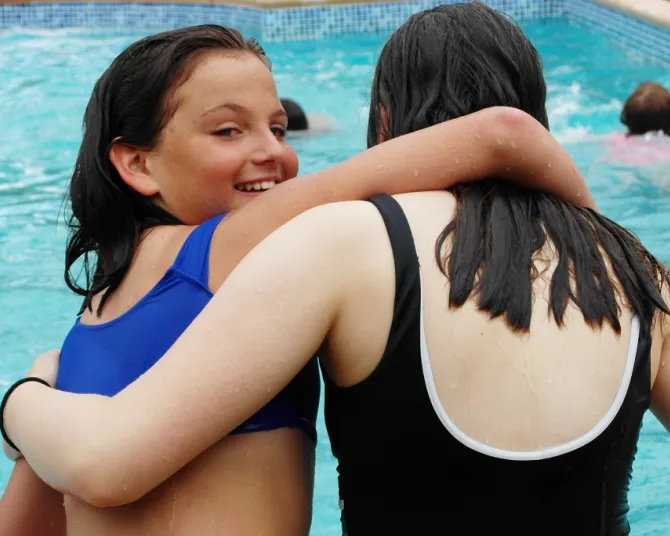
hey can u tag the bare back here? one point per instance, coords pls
(246, 484)
(517, 392)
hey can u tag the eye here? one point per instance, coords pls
(228, 132)
(279, 131)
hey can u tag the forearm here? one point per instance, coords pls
(58, 449)
(29, 506)
(496, 142)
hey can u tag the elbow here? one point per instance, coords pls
(102, 483)
(513, 119)
(510, 124)
(102, 489)
(509, 132)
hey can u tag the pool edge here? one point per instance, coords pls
(644, 29)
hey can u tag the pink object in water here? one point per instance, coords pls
(636, 150)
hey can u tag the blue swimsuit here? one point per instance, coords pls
(103, 359)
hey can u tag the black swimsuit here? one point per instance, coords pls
(401, 471)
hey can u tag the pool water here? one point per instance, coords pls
(45, 81)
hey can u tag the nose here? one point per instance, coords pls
(268, 149)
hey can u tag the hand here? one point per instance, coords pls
(46, 367)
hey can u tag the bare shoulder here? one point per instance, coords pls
(435, 196)
(342, 235)
(328, 229)
(247, 230)
(347, 220)
(360, 222)
(426, 209)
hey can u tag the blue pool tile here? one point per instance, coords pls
(641, 37)
(318, 22)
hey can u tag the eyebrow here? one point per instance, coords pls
(240, 109)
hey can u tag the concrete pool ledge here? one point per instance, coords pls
(656, 12)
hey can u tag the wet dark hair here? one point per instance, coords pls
(297, 119)
(130, 104)
(647, 110)
(457, 59)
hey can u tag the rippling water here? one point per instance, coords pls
(46, 78)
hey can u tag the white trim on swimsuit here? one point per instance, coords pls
(550, 452)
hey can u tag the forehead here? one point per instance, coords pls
(237, 76)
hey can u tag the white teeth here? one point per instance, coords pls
(256, 186)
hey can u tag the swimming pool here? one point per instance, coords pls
(45, 80)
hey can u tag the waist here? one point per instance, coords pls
(251, 484)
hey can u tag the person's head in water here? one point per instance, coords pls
(297, 118)
(454, 60)
(183, 126)
(647, 110)
(450, 61)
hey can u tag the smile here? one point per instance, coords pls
(255, 186)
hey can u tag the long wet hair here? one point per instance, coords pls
(457, 59)
(131, 103)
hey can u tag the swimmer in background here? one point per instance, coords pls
(646, 116)
(301, 123)
(647, 110)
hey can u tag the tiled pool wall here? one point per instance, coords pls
(645, 38)
(271, 23)
(317, 22)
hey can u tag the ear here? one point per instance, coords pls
(131, 164)
(383, 114)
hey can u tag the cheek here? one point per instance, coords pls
(220, 169)
(212, 186)
(290, 163)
